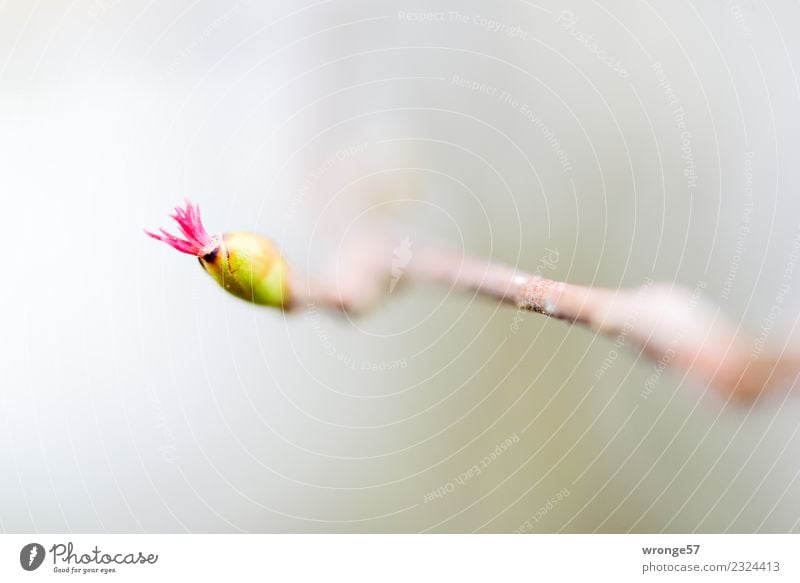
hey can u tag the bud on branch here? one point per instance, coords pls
(670, 325)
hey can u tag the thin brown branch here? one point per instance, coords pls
(672, 325)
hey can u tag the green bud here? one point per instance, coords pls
(250, 267)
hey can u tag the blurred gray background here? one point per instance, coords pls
(601, 143)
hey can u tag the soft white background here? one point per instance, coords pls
(136, 396)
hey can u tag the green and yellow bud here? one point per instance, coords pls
(245, 264)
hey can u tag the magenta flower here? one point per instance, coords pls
(197, 241)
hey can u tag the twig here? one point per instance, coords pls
(672, 325)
